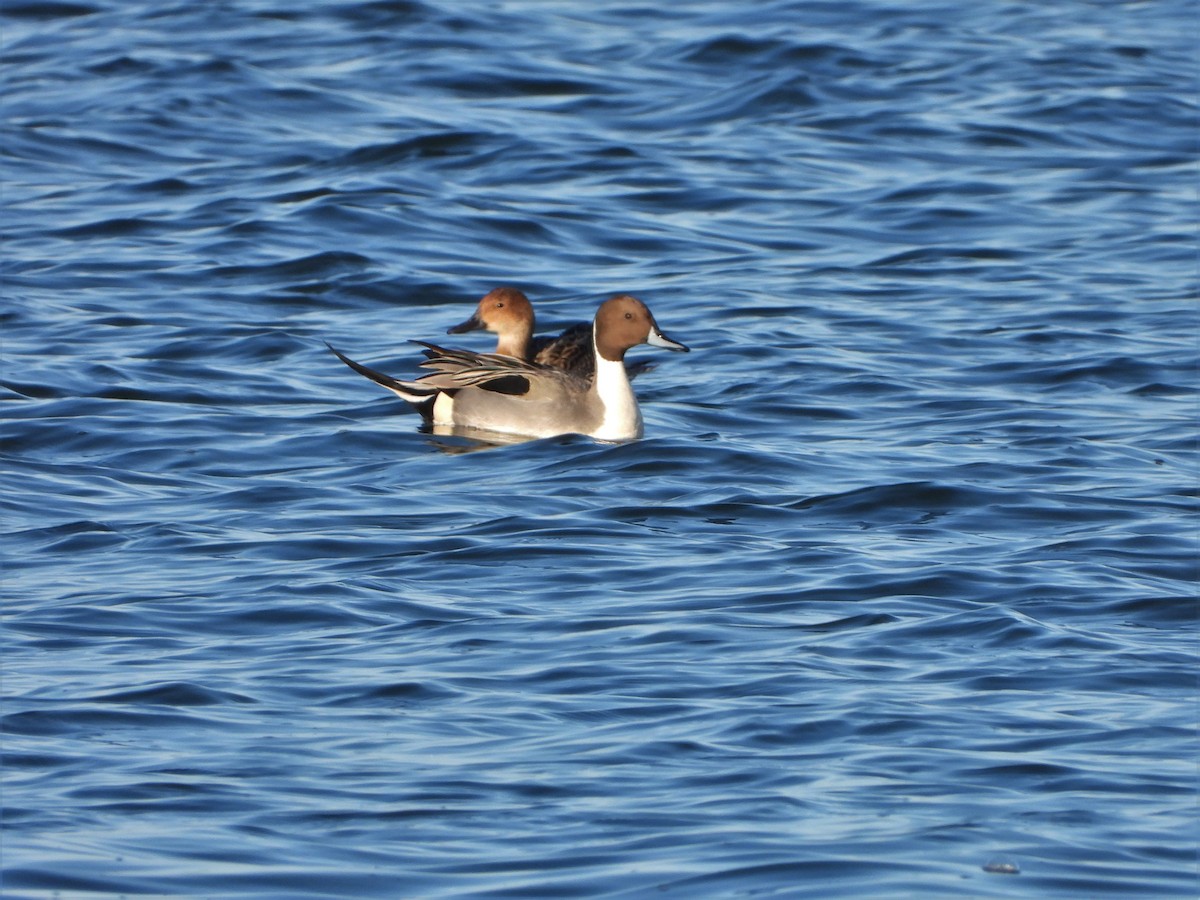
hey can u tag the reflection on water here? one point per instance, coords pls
(468, 440)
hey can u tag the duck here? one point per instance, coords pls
(508, 313)
(505, 394)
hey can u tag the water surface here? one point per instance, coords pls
(896, 596)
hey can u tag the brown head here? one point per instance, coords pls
(625, 322)
(505, 312)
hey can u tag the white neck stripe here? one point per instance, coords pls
(622, 420)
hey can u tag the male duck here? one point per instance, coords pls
(507, 394)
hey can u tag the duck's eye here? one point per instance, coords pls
(629, 315)
(500, 305)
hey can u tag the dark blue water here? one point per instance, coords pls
(896, 596)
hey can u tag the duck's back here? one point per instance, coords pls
(570, 351)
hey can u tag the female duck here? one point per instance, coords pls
(507, 313)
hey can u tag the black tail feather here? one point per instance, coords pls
(422, 398)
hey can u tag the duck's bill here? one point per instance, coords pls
(472, 324)
(658, 339)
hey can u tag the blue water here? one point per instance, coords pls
(896, 598)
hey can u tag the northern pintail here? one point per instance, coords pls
(507, 313)
(510, 395)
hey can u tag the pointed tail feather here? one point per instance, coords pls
(419, 395)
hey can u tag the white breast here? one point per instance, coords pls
(622, 419)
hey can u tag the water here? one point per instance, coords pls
(895, 598)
